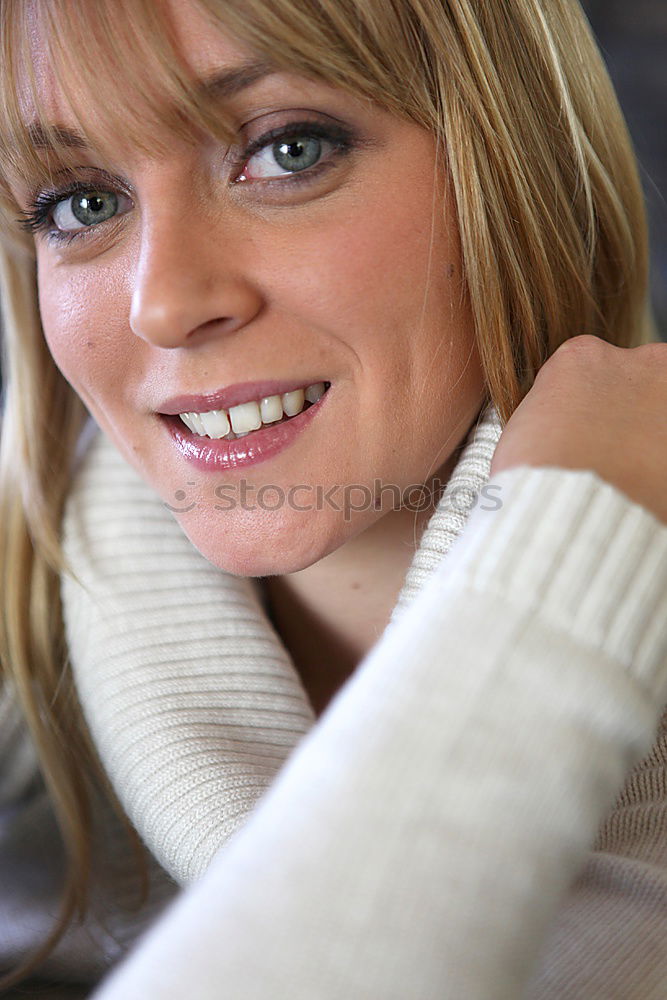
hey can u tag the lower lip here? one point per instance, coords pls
(258, 446)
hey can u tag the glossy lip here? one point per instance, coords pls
(232, 395)
(258, 446)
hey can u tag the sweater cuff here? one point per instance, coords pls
(578, 552)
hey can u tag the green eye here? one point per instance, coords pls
(297, 154)
(303, 148)
(87, 209)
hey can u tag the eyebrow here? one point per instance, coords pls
(222, 85)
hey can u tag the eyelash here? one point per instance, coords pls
(37, 218)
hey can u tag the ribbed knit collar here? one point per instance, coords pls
(191, 697)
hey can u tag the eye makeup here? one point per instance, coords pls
(332, 139)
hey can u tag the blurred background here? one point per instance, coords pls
(633, 37)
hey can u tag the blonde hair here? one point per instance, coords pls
(549, 206)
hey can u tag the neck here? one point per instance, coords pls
(330, 614)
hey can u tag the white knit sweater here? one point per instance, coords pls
(430, 835)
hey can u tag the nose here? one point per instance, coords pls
(189, 283)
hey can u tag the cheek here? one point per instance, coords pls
(361, 280)
(363, 283)
(375, 263)
(77, 315)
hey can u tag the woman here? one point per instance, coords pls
(402, 216)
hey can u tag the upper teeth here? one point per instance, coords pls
(250, 416)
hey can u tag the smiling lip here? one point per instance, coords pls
(215, 454)
(233, 395)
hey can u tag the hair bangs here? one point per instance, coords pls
(129, 80)
(119, 71)
(374, 48)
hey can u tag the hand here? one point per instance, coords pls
(600, 407)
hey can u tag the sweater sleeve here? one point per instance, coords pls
(608, 940)
(422, 839)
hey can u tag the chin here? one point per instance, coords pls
(261, 546)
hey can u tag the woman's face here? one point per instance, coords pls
(325, 260)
